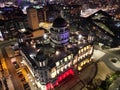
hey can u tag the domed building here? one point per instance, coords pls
(58, 55)
(59, 32)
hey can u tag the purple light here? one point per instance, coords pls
(18, 2)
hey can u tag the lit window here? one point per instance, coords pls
(43, 63)
(69, 57)
(81, 50)
(75, 60)
(81, 63)
(84, 48)
(79, 68)
(81, 57)
(65, 67)
(65, 59)
(57, 63)
(58, 71)
(69, 64)
(40, 64)
(62, 69)
(53, 73)
(87, 47)
(61, 61)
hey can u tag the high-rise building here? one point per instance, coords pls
(32, 18)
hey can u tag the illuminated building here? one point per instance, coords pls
(11, 20)
(106, 28)
(32, 18)
(56, 55)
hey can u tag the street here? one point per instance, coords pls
(12, 72)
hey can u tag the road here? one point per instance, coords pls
(17, 85)
(12, 72)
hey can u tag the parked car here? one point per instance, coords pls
(16, 65)
(26, 86)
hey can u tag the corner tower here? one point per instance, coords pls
(59, 32)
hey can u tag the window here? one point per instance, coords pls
(53, 73)
(81, 50)
(84, 48)
(61, 61)
(65, 66)
(69, 64)
(65, 59)
(58, 71)
(62, 69)
(57, 63)
(43, 63)
(69, 57)
(40, 64)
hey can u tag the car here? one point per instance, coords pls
(16, 65)
(23, 79)
(19, 71)
(26, 86)
(16, 53)
(20, 75)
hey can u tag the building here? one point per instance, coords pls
(32, 18)
(106, 28)
(56, 55)
(12, 19)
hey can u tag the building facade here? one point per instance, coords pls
(56, 55)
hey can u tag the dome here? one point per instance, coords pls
(59, 22)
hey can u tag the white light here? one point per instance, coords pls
(29, 77)
(53, 73)
(23, 30)
(69, 46)
(57, 53)
(51, 0)
(33, 83)
(80, 36)
(57, 63)
(31, 80)
(96, 14)
(45, 36)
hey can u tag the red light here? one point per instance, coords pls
(49, 86)
(63, 76)
(56, 83)
(52, 86)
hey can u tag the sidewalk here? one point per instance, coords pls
(9, 83)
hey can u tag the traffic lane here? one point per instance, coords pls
(16, 82)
